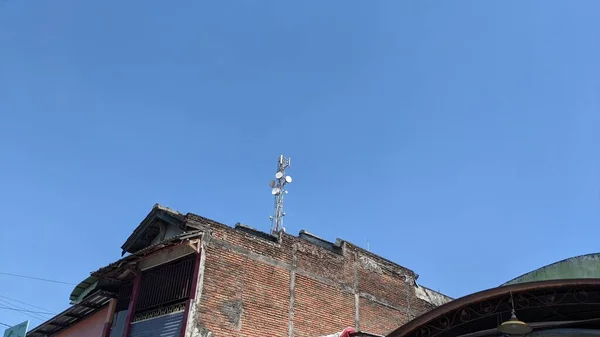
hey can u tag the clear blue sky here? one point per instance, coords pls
(459, 137)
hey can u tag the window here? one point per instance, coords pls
(167, 284)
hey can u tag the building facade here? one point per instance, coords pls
(186, 275)
(91, 326)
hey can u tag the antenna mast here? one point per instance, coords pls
(278, 191)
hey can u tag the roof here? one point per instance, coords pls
(117, 265)
(72, 315)
(572, 301)
(150, 227)
(583, 266)
(82, 289)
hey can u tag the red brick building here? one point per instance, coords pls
(186, 275)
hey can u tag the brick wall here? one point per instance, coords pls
(253, 286)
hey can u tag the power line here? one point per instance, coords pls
(25, 311)
(28, 311)
(32, 314)
(6, 325)
(36, 316)
(31, 305)
(38, 279)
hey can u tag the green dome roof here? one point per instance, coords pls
(578, 267)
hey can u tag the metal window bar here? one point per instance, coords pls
(165, 285)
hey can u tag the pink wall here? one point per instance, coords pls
(89, 327)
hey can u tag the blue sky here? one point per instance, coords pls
(458, 137)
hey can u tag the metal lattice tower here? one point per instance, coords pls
(278, 191)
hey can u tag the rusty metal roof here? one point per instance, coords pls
(72, 315)
(576, 301)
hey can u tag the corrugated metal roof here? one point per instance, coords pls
(72, 315)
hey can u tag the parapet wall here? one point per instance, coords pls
(255, 284)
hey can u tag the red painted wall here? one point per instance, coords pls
(89, 327)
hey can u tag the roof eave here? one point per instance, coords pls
(83, 288)
(158, 211)
(90, 308)
(133, 258)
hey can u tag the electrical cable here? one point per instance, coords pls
(38, 279)
(36, 316)
(27, 304)
(27, 311)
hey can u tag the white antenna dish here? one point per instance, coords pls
(288, 179)
(275, 191)
(278, 175)
(272, 183)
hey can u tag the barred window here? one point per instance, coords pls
(167, 284)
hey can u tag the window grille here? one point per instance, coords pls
(166, 284)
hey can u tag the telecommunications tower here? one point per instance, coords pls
(278, 190)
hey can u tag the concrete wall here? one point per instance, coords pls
(252, 286)
(91, 326)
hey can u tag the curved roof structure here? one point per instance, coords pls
(578, 267)
(542, 304)
(83, 289)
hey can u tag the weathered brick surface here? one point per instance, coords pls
(320, 309)
(420, 306)
(379, 319)
(385, 287)
(281, 251)
(266, 300)
(318, 261)
(256, 287)
(223, 284)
